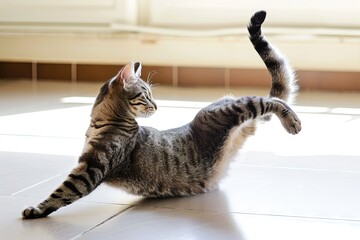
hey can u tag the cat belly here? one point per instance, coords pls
(163, 186)
(233, 143)
(157, 186)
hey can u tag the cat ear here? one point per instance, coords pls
(125, 73)
(132, 69)
(137, 69)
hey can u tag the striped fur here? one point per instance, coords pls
(177, 162)
(283, 77)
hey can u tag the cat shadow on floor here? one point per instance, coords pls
(204, 216)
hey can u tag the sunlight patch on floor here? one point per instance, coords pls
(62, 131)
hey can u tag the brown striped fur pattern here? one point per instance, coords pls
(178, 162)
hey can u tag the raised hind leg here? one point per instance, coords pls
(234, 112)
(257, 107)
(224, 126)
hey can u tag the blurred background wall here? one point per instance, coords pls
(80, 40)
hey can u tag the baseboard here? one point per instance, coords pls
(181, 76)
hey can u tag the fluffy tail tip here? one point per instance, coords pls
(258, 18)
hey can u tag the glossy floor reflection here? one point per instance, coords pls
(279, 187)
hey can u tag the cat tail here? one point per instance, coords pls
(283, 76)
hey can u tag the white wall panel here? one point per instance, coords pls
(322, 34)
(318, 54)
(32, 12)
(190, 13)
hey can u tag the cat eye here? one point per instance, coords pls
(134, 97)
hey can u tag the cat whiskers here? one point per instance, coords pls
(153, 85)
(150, 76)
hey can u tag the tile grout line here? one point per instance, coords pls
(175, 76)
(73, 72)
(39, 136)
(298, 216)
(227, 78)
(48, 179)
(254, 214)
(298, 168)
(34, 76)
(103, 222)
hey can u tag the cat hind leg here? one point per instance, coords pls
(257, 107)
(289, 119)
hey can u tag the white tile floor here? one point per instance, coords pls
(279, 187)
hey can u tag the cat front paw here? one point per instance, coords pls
(32, 212)
(292, 123)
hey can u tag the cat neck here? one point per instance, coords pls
(121, 129)
(98, 123)
(111, 113)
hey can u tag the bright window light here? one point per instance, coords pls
(62, 131)
(87, 100)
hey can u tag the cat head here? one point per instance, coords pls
(126, 94)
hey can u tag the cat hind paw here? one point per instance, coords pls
(292, 124)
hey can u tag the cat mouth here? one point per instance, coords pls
(147, 113)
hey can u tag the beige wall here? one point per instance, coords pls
(313, 35)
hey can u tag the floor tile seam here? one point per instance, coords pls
(20, 197)
(78, 201)
(299, 217)
(254, 213)
(106, 203)
(36, 184)
(101, 223)
(298, 169)
(39, 136)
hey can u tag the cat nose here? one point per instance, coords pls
(152, 109)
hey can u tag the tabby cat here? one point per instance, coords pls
(178, 162)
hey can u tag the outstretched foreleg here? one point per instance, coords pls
(79, 183)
